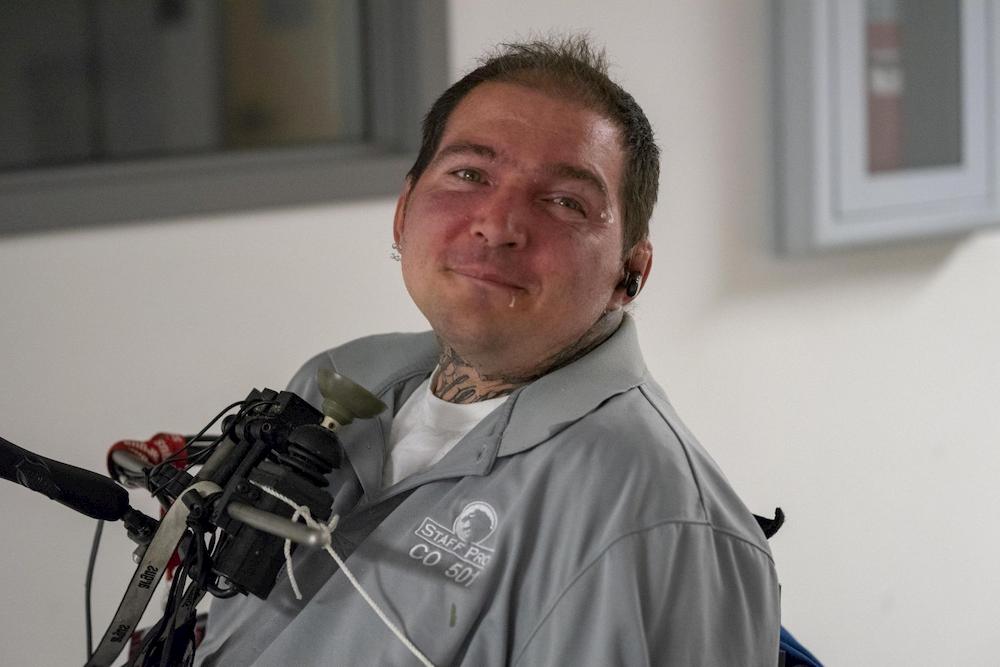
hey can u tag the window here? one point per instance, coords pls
(131, 109)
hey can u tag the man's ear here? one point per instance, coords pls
(399, 219)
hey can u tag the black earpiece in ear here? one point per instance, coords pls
(632, 283)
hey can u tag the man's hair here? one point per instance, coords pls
(567, 67)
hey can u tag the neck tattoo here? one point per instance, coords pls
(458, 381)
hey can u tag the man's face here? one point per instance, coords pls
(512, 237)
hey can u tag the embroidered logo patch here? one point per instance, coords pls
(460, 546)
(476, 522)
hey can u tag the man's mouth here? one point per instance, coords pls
(488, 277)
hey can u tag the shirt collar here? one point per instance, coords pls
(557, 399)
(533, 413)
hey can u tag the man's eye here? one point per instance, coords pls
(568, 202)
(470, 175)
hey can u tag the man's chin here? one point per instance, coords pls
(479, 338)
(474, 332)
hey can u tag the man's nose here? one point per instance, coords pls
(502, 221)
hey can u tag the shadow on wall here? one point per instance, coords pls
(750, 262)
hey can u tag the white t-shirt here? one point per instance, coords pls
(426, 428)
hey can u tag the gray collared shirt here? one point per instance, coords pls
(578, 524)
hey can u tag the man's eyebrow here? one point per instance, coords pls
(463, 148)
(579, 174)
(561, 169)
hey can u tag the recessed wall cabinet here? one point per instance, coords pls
(887, 122)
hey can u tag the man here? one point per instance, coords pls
(530, 497)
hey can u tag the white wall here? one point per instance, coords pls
(857, 390)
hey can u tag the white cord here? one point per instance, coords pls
(302, 512)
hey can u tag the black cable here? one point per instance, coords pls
(201, 438)
(205, 452)
(155, 492)
(87, 587)
(181, 596)
(222, 593)
(155, 469)
(240, 418)
(156, 632)
(225, 432)
(176, 601)
(219, 542)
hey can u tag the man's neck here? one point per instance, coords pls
(459, 381)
